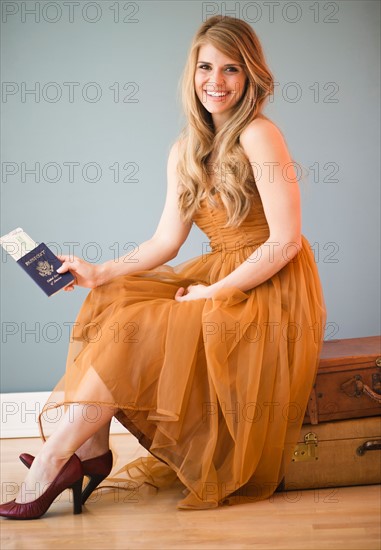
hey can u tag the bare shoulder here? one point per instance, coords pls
(175, 153)
(260, 131)
(174, 149)
(173, 156)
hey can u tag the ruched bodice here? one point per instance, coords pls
(215, 389)
(212, 219)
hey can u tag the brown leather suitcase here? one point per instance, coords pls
(348, 381)
(336, 454)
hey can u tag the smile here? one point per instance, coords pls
(216, 94)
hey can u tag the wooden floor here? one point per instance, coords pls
(346, 518)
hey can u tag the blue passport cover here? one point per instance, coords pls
(41, 264)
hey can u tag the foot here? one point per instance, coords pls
(70, 476)
(96, 469)
(43, 471)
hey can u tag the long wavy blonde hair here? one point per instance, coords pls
(198, 139)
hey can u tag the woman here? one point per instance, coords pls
(210, 363)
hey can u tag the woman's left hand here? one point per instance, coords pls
(193, 292)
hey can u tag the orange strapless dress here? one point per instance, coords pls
(215, 389)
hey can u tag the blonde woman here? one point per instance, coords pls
(209, 363)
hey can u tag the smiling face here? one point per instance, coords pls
(219, 82)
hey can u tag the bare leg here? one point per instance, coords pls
(74, 430)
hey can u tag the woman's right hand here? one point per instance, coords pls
(84, 273)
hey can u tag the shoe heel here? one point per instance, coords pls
(77, 496)
(93, 483)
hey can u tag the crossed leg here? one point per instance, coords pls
(79, 431)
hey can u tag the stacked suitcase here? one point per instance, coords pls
(340, 440)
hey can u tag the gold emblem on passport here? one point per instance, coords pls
(44, 269)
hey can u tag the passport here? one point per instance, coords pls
(38, 261)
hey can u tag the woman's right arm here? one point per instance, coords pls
(163, 246)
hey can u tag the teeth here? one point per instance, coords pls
(216, 94)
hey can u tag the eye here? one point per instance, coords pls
(232, 69)
(204, 67)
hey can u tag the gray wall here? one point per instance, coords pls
(326, 104)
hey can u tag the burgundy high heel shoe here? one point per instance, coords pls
(70, 477)
(96, 469)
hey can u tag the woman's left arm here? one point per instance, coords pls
(278, 187)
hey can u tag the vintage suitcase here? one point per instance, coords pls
(348, 381)
(336, 454)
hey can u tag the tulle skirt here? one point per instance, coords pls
(215, 389)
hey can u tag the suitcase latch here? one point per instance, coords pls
(308, 450)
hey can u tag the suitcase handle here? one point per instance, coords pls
(360, 388)
(369, 446)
